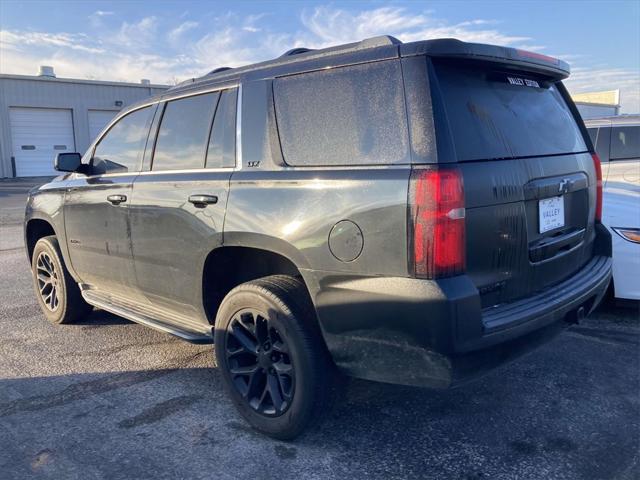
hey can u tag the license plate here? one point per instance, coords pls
(551, 213)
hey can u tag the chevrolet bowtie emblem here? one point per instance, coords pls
(564, 185)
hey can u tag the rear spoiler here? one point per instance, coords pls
(511, 58)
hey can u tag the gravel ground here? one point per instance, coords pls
(107, 398)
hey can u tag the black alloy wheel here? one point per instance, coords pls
(57, 292)
(272, 357)
(259, 363)
(48, 281)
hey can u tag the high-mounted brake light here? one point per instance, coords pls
(598, 168)
(436, 222)
(537, 56)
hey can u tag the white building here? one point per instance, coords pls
(42, 115)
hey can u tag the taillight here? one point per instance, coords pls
(436, 222)
(598, 168)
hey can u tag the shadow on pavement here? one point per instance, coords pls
(567, 410)
(100, 317)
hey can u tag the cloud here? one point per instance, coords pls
(604, 77)
(333, 26)
(16, 41)
(249, 23)
(176, 33)
(95, 19)
(173, 49)
(138, 34)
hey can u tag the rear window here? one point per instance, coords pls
(495, 115)
(352, 115)
(625, 142)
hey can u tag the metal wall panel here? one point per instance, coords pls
(98, 119)
(78, 96)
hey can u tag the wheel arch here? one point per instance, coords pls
(243, 258)
(35, 229)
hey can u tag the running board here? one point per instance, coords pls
(97, 300)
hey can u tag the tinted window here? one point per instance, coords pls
(121, 149)
(222, 143)
(343, 116)
(602, 145)
(496, 115)
(593, 134)
(183, 134)
(625, 142)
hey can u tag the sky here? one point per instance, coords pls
(169, 41)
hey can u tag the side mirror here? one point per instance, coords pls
(67, 162)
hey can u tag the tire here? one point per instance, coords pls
(273, 360)
(57, 293)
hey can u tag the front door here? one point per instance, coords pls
(177, 209)
(96, 209)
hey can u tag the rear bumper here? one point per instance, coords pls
(584, 289)
(435, 333)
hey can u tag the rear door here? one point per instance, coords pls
(529, 179)
(624, 157)
(178, 207)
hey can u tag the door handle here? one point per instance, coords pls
(201, 201)
(117, 199)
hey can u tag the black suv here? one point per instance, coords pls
(409, 213)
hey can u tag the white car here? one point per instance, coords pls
(617, 143)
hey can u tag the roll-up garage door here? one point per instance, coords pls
(37, 135)
(98, 119)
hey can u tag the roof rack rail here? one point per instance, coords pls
(296, 51)
(219, 69)
(379, 41)
(182, 83)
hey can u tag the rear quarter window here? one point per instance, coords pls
(352, 115)
(495, 115)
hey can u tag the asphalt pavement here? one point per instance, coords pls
(110, 399)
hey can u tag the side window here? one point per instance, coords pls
(184, 129)
(343, 116)
(222, 143)
(120, 150)
(625, 142)
(593, 134)
(602, 145)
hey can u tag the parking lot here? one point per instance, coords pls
(107, 398)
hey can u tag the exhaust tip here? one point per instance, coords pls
(576, 316)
